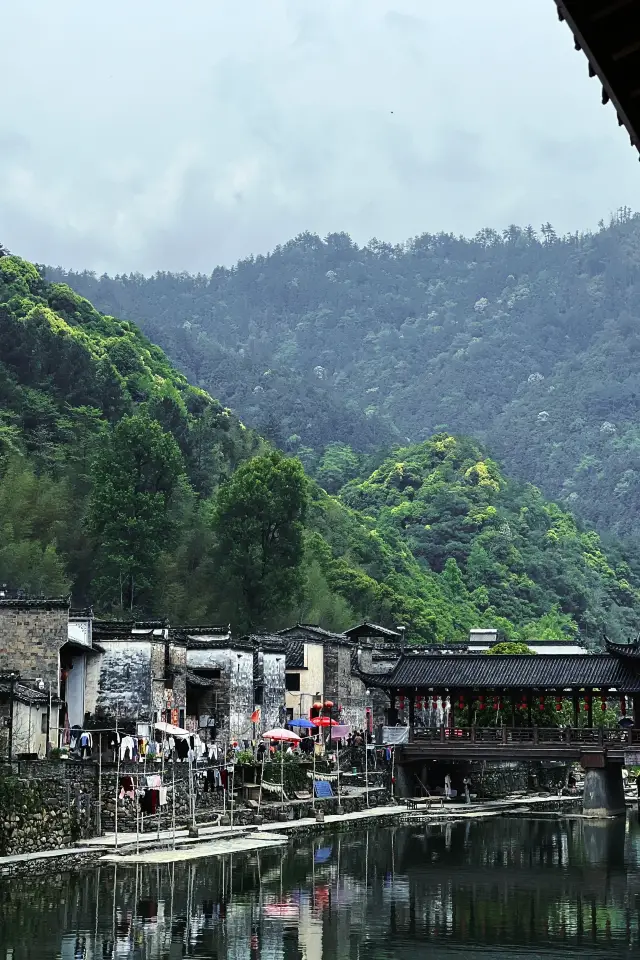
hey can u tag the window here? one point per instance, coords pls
(292, 682)
(43, 723)
(259, 696)
(181, 718)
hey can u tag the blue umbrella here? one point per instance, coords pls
(301, 722)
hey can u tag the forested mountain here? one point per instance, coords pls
(530, 343)
(141, 494)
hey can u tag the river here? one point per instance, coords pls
(505, 887)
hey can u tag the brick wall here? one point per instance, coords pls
(31, 637)
(341, 687)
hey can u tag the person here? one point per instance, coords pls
(261, 750)
(467, 794)
(447, 787)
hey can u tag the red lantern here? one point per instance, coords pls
(603, 704)
(461, 703)
(558, 704)
(587, 702)
(496, 703)
(541, 704)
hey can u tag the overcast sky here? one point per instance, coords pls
(162, 135)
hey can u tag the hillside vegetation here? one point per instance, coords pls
(141, 494)
(527, 341)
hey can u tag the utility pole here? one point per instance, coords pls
(12, 683)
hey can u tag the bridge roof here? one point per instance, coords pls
(515, 672)
(608, 33)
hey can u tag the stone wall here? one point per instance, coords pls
(230, 699)
(46, 805)
(163, 696)
(341, 687)
(274, 690)
(31, 635)
(124, 684)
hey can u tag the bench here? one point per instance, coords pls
(415, 803)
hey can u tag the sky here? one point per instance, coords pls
(157, 135)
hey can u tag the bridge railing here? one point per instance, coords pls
(577, 736)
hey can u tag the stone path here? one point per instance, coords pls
(215, 848)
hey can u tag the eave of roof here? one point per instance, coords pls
(196, 680)
(373, 629)
(44, 603)
(608, 33)
(509, 672)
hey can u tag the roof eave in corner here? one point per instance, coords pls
(608, 93)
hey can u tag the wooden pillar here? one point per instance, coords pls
(576, 708)
(513, 708)
(590, 709)
(412, 713)
(452, 697)
(529, 698)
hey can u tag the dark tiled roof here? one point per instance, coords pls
(295, 655)
(217, 643)
(268, 642)
(27, 694)
(211, 630)
(609, 36)
(630, 650)
(315, 634)
(43, 603)
(73, 645)
(197, 681)
(542, 671)
(371, 629)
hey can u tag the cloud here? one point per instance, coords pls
(142, 137)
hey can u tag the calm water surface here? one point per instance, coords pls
(500, 888)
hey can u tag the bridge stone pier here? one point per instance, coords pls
(603, 794)
(475, 707)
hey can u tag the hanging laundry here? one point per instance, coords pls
(126, 748)
(127, 788)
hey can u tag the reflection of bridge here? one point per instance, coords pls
(470, 692)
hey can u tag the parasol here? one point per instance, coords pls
(326, 722)
(278, 733)
(302, 722)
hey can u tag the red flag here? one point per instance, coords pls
(255, 716)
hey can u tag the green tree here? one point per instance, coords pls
(511, 647)
(135, 477)
(258, 522)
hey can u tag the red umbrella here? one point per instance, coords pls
(325, 722)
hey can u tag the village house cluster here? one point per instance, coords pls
(64, 671)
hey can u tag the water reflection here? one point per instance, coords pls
(503, 887)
